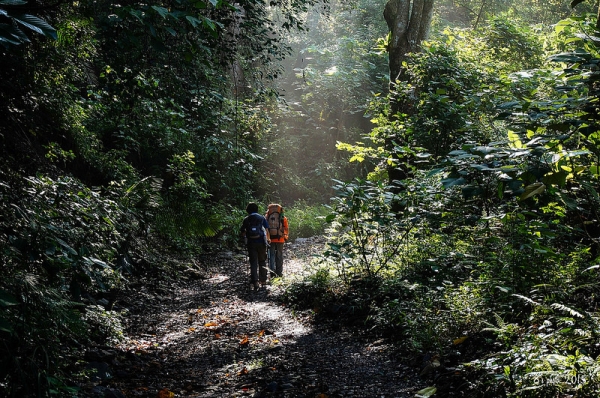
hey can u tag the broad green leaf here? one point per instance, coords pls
(480, 167)
(435, 171)
(514, 139)
(36, 24)
(66, 246)
(471, 191)
(97, 262)
(484, 150)
(566, 57)
(533, 189)
(559, 179)
(195, 22)
(577, 153)
(450, 182)
(163, 12)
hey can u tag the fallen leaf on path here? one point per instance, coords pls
(426, 392)
(165, 393)
(210, 324)
(459, 340)
(243, 371)
(244, 341)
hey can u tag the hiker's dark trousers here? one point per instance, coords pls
(276, 257)
(257, 252)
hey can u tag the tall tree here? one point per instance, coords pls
(409, 22)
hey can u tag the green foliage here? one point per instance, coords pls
(11, 33)
(61, 241)
(306, 220)
(104, 325)
(314, 292)
(365, 236)
(496, 243)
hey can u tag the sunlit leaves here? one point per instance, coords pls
(532, 190)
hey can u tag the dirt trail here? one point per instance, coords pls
(209, 335)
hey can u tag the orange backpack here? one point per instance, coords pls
(275, 219)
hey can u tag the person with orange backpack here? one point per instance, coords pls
(279, 233)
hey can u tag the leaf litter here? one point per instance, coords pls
(211, 336)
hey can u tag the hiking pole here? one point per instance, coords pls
(248, 265)
(269, 260)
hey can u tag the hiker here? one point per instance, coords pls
(279, 233)
(255, 231)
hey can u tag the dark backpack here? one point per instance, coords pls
(255, 229)
(275, 219)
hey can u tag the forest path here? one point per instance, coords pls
(207, 334)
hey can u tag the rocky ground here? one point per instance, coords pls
(206, 334)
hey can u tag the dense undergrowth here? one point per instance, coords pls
(485, 261)
(504, 309)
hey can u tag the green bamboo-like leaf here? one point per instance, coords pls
(13, 2)
(5, 326)
(12, 35)
(66, 246)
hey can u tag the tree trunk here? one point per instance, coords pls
(409, 22)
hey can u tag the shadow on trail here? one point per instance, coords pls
(214, 337)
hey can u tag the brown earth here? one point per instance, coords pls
(206, 334)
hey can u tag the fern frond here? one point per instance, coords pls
(564, 308)
(527, 299)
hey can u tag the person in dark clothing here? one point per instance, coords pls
(255, 231)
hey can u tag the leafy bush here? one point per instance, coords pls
(306, 220)
(60, 242)
(314, 291)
